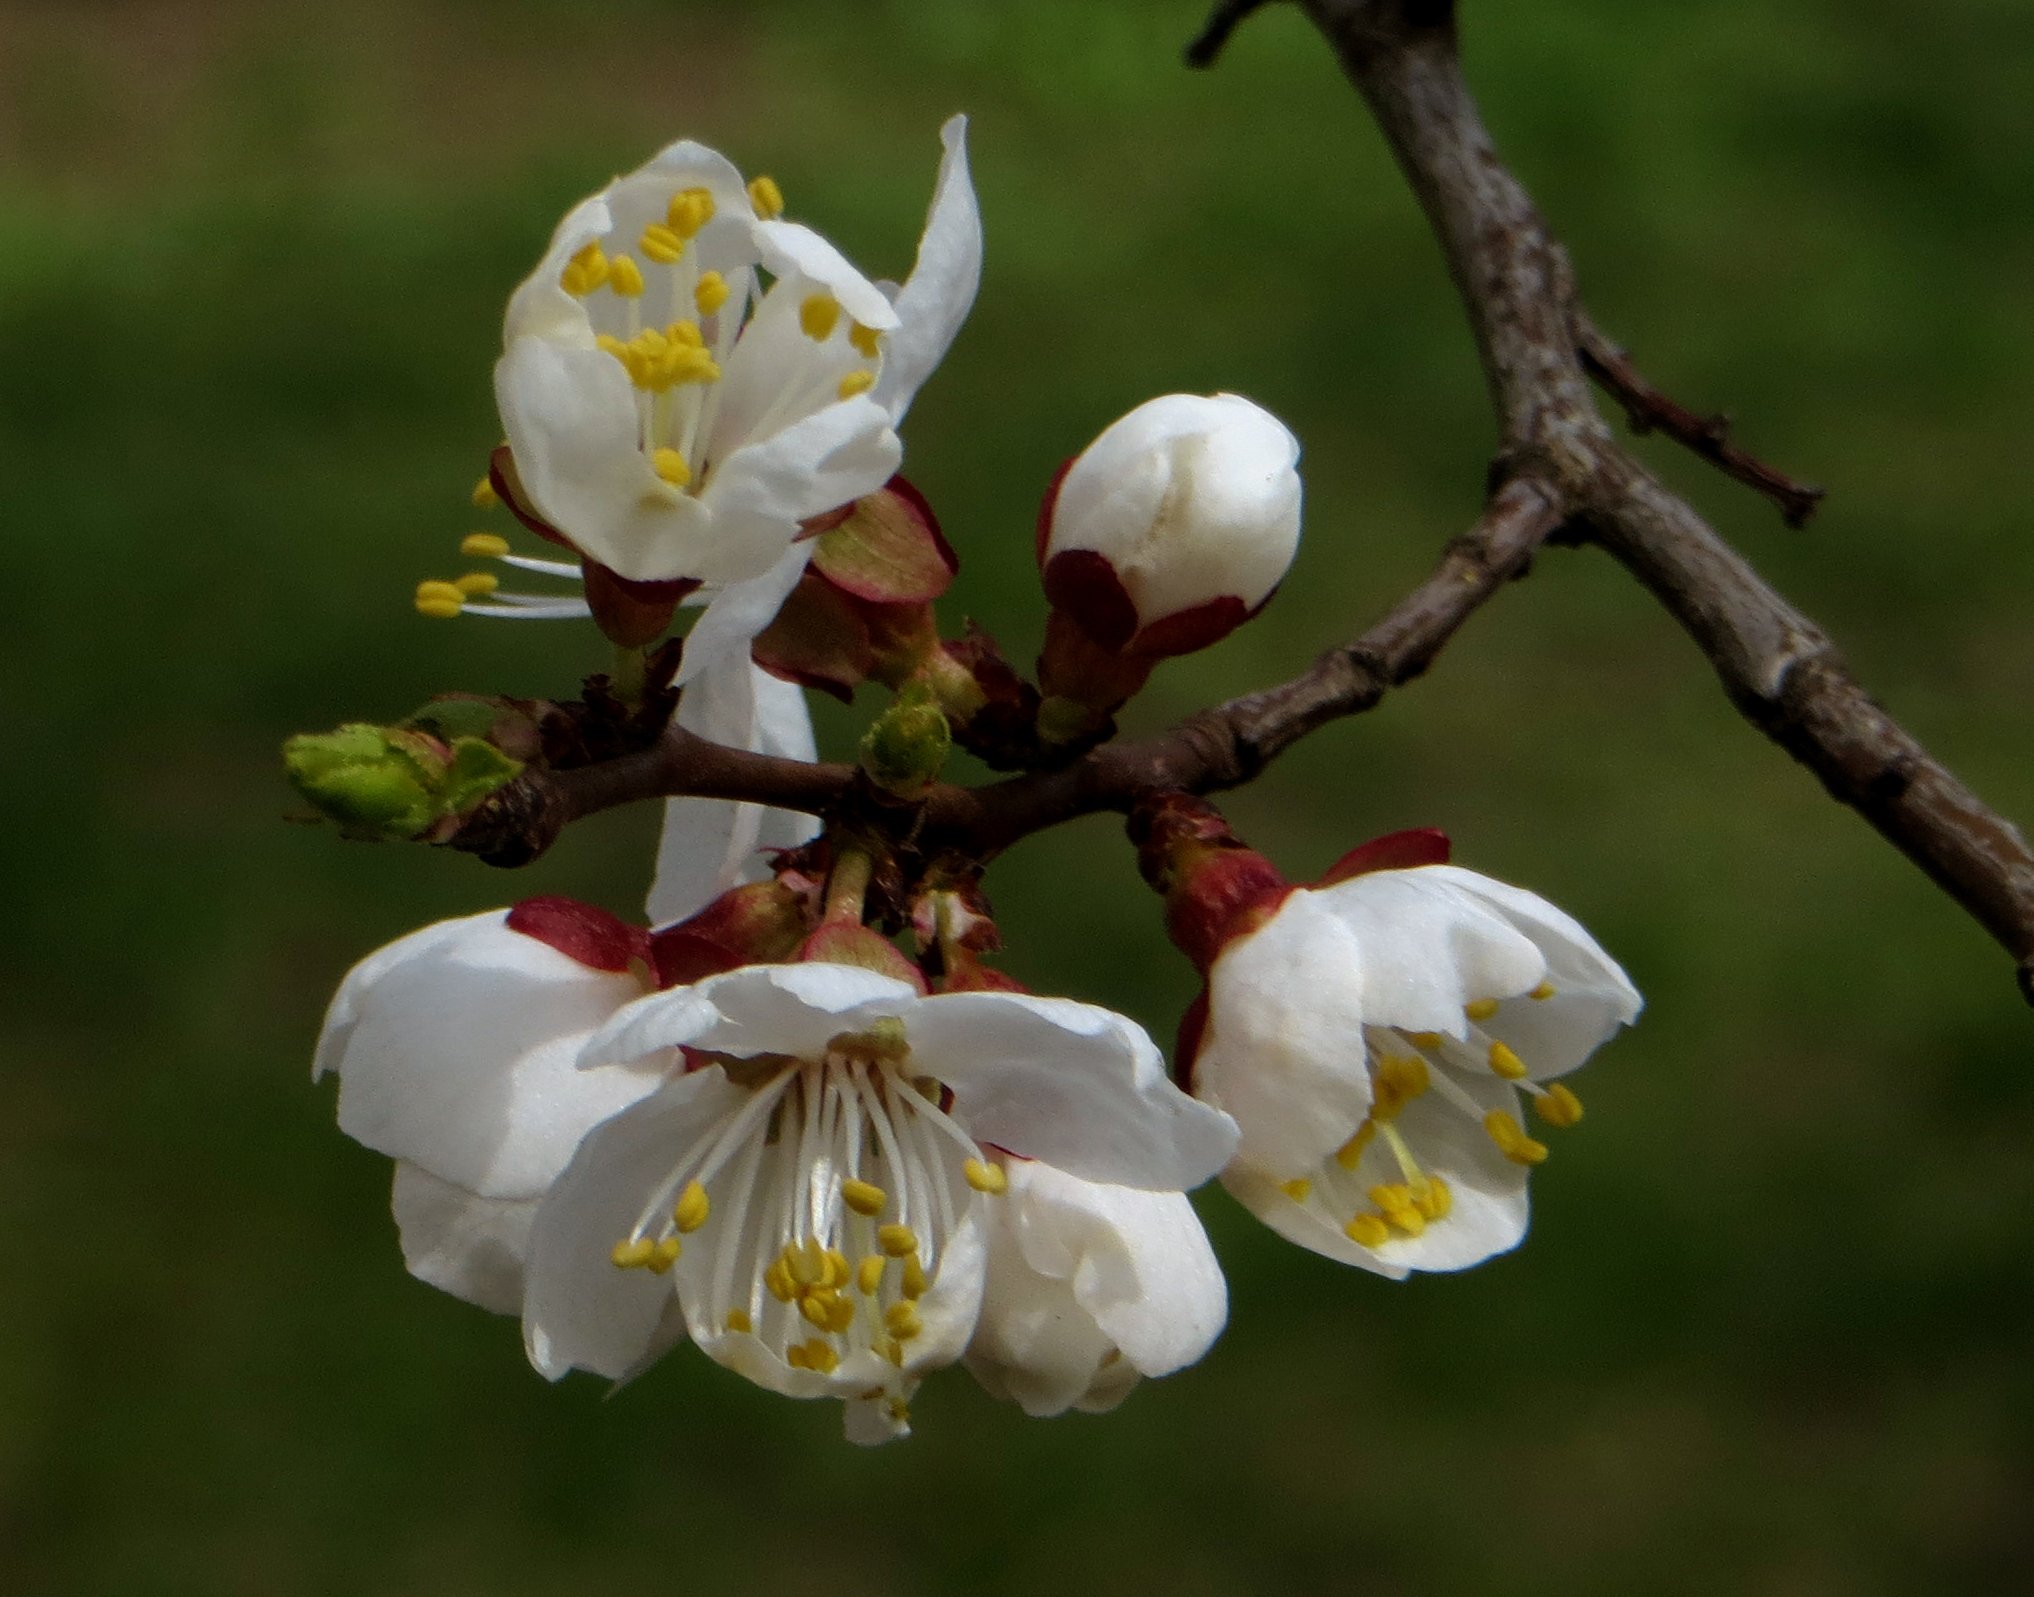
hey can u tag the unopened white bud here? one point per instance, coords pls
(1191, 499)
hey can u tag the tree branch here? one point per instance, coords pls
(1649, 410)
(1559, 468)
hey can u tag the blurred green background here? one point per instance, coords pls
(1771, 1332)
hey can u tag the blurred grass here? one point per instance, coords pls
(1770, 1332)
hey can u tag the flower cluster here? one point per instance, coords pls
(797, 1116)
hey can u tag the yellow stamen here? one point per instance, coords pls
(869, 1274)
(665, 1256)
(1350, 1154)
(686, 332)
(661, 244)
(738, 1320)
(817, 1306)
(1296, 1189)
(856, 382)
(627, 1254)
(989, 1178)
(778, 1279)
(484, 496)
(670, 465)
(1506, 1063)
(817, 1356)
(625, 277)
(838, 1271)
(914, 1278)
(1399, 1079)
(902, 1321)
(477, 584)
(897, 1240)
(805, 1265)
(1425, 1039)
(1367, 1231)
(819, 315)
(689, 211)
(1511, 1139)
(689, 1213)
(863, 1197)
(1433, 1197)
(1557, 1106)
(586, 271)
(711, 294)
(766, 197)
(1480, 1009)
(483, 546)
(867, 341)
(439, 600)
(1542, 993)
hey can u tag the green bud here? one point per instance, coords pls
(907, 746)
(392, 784)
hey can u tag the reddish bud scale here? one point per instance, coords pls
(631, 613)
(759, 923)
(970, 975)
(1186, 1048)
(846, 944)
(582, 932)
(1395, 851)
(1215, 887)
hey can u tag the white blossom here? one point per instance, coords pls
(1375, 1041)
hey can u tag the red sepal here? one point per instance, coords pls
(681, 958)
(820, 639)
(631, 613)
(972, 976)
(758, 923)
(1047, 506)
(508, 487)
(888, 549)
(1184, 631)
(582, 932)
(1082, 584)
(845, 944)
(1186, 1047)
(1396, 851)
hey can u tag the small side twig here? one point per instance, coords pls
(1225, 19)
(1650, 410)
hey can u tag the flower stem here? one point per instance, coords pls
(847, 886)
(630, 674)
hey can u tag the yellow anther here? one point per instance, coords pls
(902, 1320)
(483, 546)
(1480, 1009)
(1399, 1079)
(586, 271)
(821, 1358)
(1506, 1063)
(817, 1306)
(665, 1256)
(1433, 1197)
(711, 294)
(1367, 1231)
(686, 332)
(1409, 1220)
(863, 1197)
(766, 197)
(1350, 1154)
(1425, 1039)
(629, 1253)
(867, 341)
(1391, 1195)
(892, 1349)
(738, 1320)
(856, 382)
(1542, 993)
(806, 1264)
(689, 211)
(484, 496)
(661, 244)
(778, 1279)
(477, 584)
(914, 1278)
(1557, 1106)
(670, 465)
(1511, 1139)
(897, 1240)
(869, 1274)
(795, 1356)
(625, 277)
(689, 1213)
(439, 600)
(984, 1177)
(819, 315)
(840, 1315)
(1296, 1189)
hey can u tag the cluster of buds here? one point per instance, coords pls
(798, 1115)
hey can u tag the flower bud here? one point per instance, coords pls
(1174, 526)
(393, 784)
(907, 745)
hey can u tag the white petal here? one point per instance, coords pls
(765, 488)
(462, 1059)
(540, 307)
(1592, 995)
(1283, 1051)
(722, 635)
(579, 1310)
(469, 1246)
(1258, 1190)
(936, 300)
(1075, 1085)
(758, 1009)
(344, 1012)
(793, 250)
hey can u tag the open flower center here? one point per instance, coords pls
(1389, 1181)
(815, 1214)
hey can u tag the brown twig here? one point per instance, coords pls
(1649, 410)
(1559, 468)
(1225, 19)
